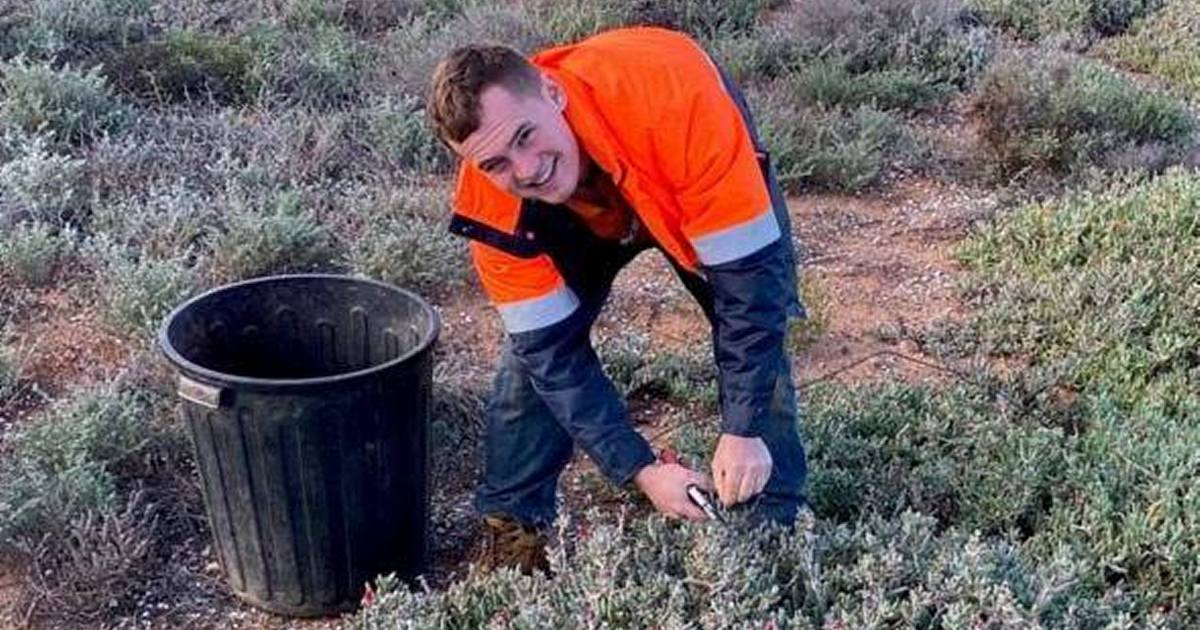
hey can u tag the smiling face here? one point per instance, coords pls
(523, 143)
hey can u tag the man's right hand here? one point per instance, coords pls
(666, 487)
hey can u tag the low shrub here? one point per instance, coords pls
(639, 370)
(31, 252)
(70, 28)
(99, 566)
(1098, 286)
(401, 238)
(76, 106)
(162, 222)
(10, 371)
(1164, 44)
(828, 83)
(648, 573)
(926, 37)
(137, 291)
(40, 185)
(410, 52)
(68, 461)
(1100, 280)
(1069, 22)
(363, 16)
(830, 149)
(183, 67)
(279, 236)
(1062, 115)
(400, 139)
(322, 67)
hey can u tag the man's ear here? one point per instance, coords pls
(554, 92)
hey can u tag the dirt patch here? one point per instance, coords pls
(880, 271)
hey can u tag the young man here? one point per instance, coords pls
(572, 163)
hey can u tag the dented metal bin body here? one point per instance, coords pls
(308, 401)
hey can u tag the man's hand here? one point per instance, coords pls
(666, 487)
(741, 467)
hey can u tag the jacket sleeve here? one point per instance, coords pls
(708, 154)
(549, 331)
(750, 300)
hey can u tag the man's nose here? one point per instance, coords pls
(525, 166)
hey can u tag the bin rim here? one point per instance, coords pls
(252, 382)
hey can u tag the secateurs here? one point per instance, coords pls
(700, 497)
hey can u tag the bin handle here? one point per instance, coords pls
(200, 393)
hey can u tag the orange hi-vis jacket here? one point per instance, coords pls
(650, 109)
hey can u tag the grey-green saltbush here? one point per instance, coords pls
(162, 222)
(70, 28)
(68, 461)
(900, 571)
(400, 137)
(38, 184)
(402, 239)
(321, 67)
(828, 83)
(1060, 114)
(279, 237)
(637, 369)
(924, 37)
(76, 106)
(185, 66)
(833, 149)
(1074, 22)
(411, 51)
(30, 252)
(1100, 280)
(136, 290)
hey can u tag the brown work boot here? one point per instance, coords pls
(509, 543)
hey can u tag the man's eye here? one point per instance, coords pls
(523, 137)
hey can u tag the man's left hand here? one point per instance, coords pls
(741, 467)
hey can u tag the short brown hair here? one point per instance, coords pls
(459, 79)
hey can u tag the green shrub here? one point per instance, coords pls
(830, 84)
(76, 106)
(925, 37)
(831, 149)
(185, 66)
(321, 67)
(402, 239)
(639, 370)
(1164, 44)
(31, 252)
(399, 135)
(1069, 21)
(1063, 115)
(279, 238)
(68, 461)
(878, 573)
(39, 185)
(364, 16)
(70, 28)
(137, 291)
(162, 222)
(1102, 281)
(410, 52)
